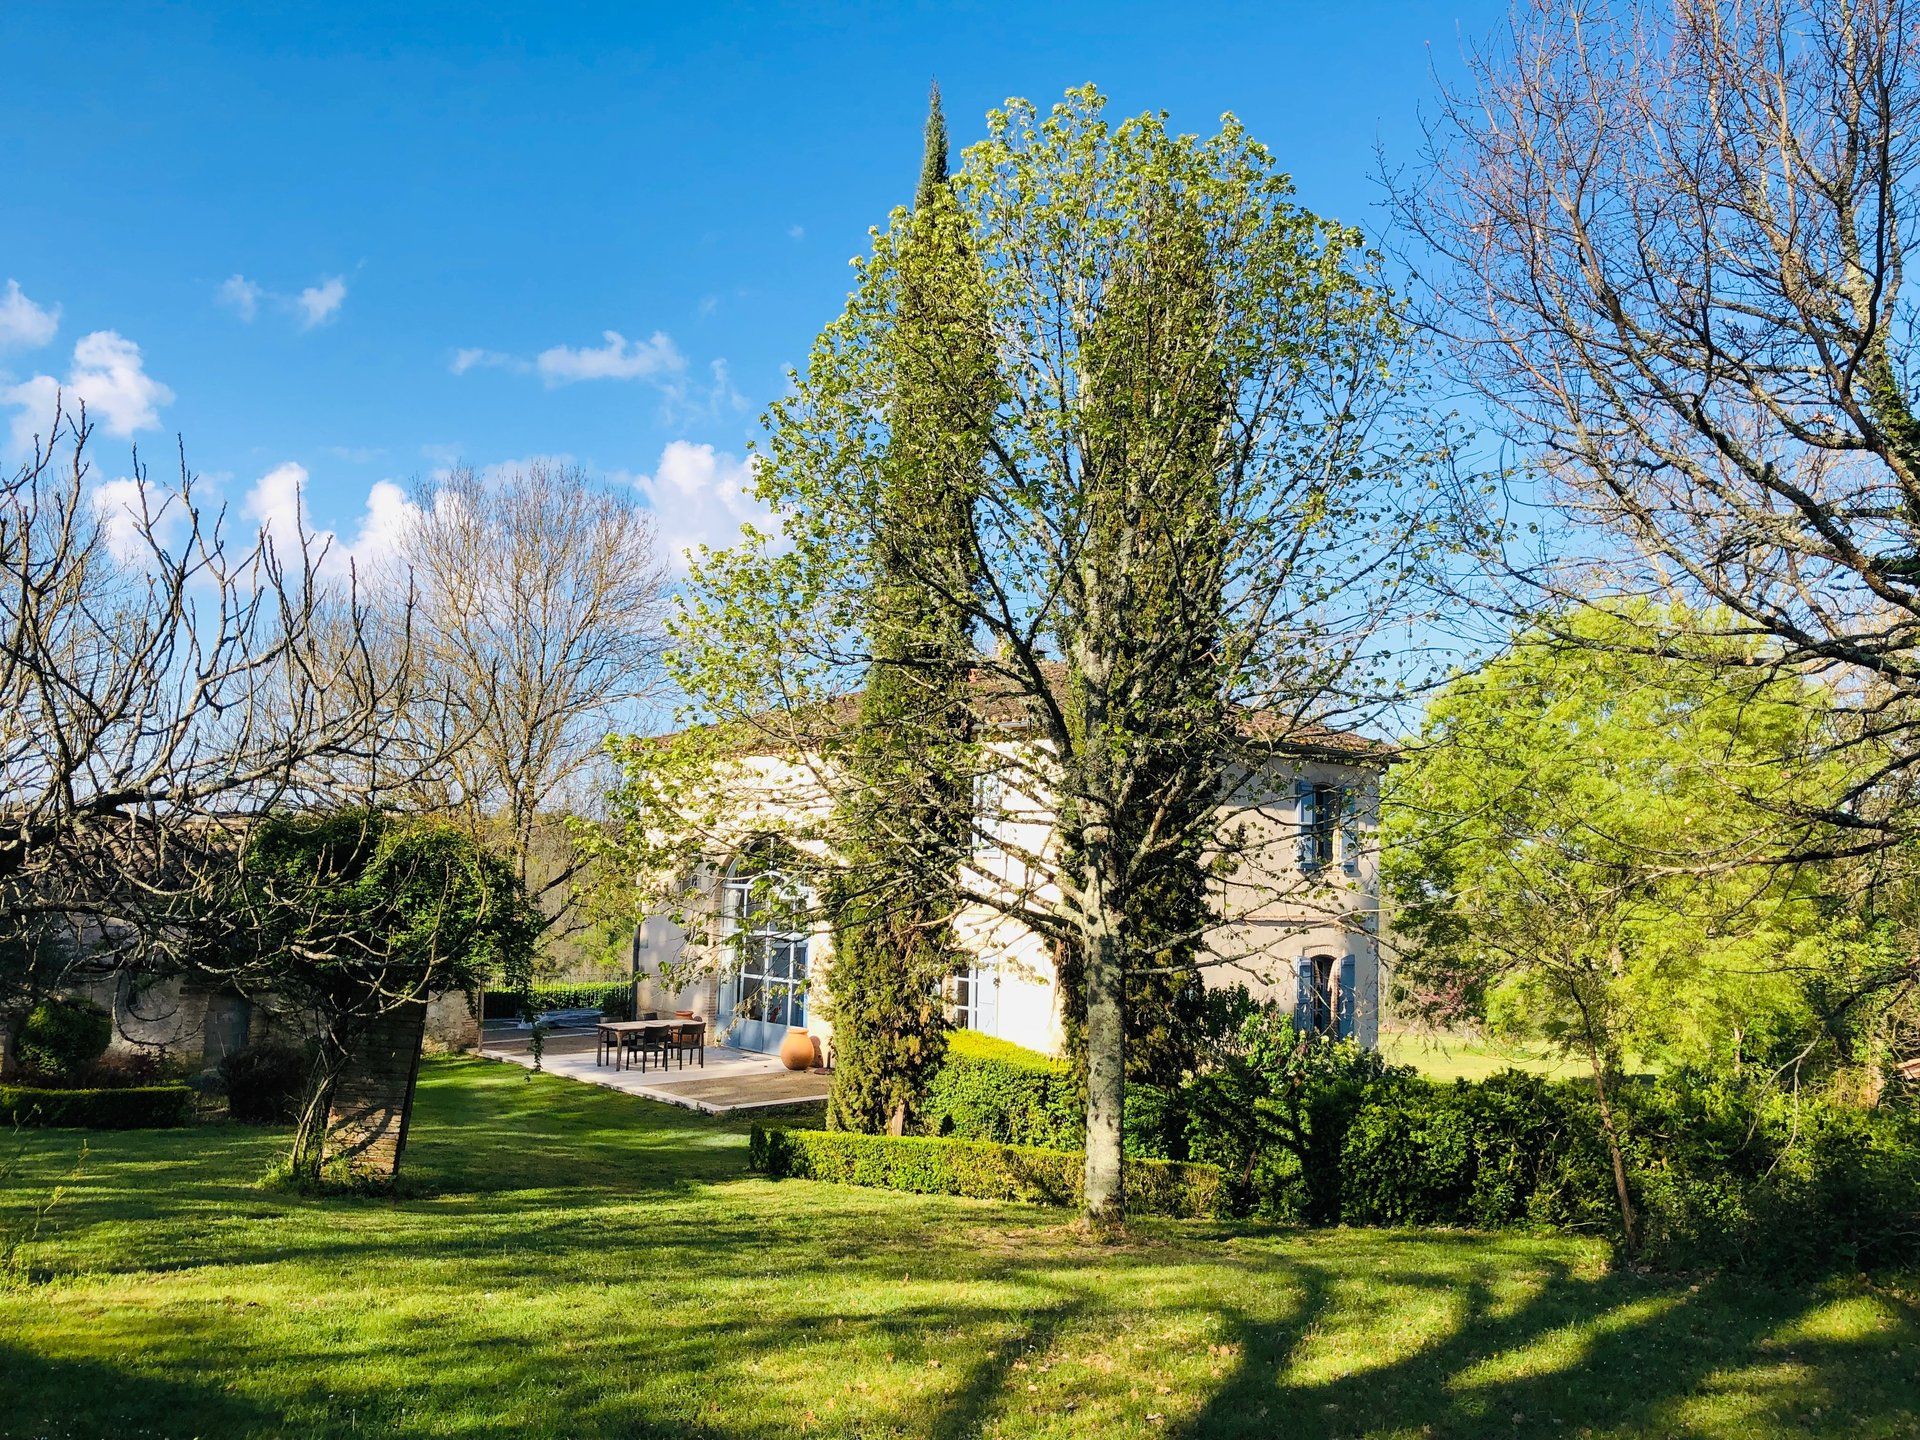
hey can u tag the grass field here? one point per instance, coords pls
(1457, 1057)
(580, 1263)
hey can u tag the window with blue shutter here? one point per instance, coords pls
(1319, 818)
(1344, 996)
(1303, 996)
(1349, 830)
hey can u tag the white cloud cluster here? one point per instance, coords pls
(23, 324)
(654, 358)
(108, 376)
(700, 496)
(277, 504)
(315, 305)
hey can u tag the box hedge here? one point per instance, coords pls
(133, 1107)
(926, 1165)
(991, 1089)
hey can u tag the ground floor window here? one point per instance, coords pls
(973, 999)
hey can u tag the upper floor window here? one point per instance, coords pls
(1320, 806)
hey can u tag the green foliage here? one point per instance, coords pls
(356, 907)
(131, 1107)
(264, 1083)
(991, 1089)
(1568, 844)
(980, 1169)
(62, 1037)
(1272, 1112)
(904, 813)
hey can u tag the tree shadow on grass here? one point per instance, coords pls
(55, 1399)
(1582, 1354)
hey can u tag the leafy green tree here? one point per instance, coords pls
(1201, 496)
(354, 916)
(893, 903)
(1570, 848)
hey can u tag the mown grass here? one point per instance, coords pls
(577, 1263)
(1459, 1057)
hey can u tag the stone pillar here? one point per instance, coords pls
(373, 1100)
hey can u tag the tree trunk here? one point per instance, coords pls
(1105, 982)
(310, 1132)
(1629, 1227)
(9, 1060)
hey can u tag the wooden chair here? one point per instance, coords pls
(643, 1043)
(691, 1040)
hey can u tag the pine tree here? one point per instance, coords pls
(907, 807)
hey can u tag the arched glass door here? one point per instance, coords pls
(765, 990)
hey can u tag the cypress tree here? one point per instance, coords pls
(906, 807)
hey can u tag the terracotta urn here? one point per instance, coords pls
(796, 1051)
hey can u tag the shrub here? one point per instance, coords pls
(924, 1165)
(266, 1083)
(131, 1108)
(61, 1038)
(610, 997)
(990, 1089)
(1272, 1111)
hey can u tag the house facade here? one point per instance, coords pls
(1298, 914)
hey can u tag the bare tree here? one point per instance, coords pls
(157, 684)
(539, 600)
(1668, 243)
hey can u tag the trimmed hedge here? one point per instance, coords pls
(135, 1107)
(924, 1165)
(62, 1037)
(609, 997)
(991, 1089)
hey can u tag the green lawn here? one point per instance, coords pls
(578, 1263)
(1458, 1057)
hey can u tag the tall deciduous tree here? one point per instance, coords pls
(1668, 242)
(1569, 845)
(905, 806)
(1197, 493)
(538, 599)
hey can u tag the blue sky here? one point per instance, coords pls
(337, 246)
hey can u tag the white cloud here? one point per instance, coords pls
(315, 305)
(796, 232)
(23, 324)
(619, 359)
(477, 359)
(240, 295)
(128, 506)
(700, 496)
(277, 504)
(108, 377)
(318, 304)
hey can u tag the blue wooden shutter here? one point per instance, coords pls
(1349, 830)
(1303, 996)
(1346, 997)
(1309, 817)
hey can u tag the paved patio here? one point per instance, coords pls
(731, 1080)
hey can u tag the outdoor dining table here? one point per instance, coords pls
(610, 1036)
